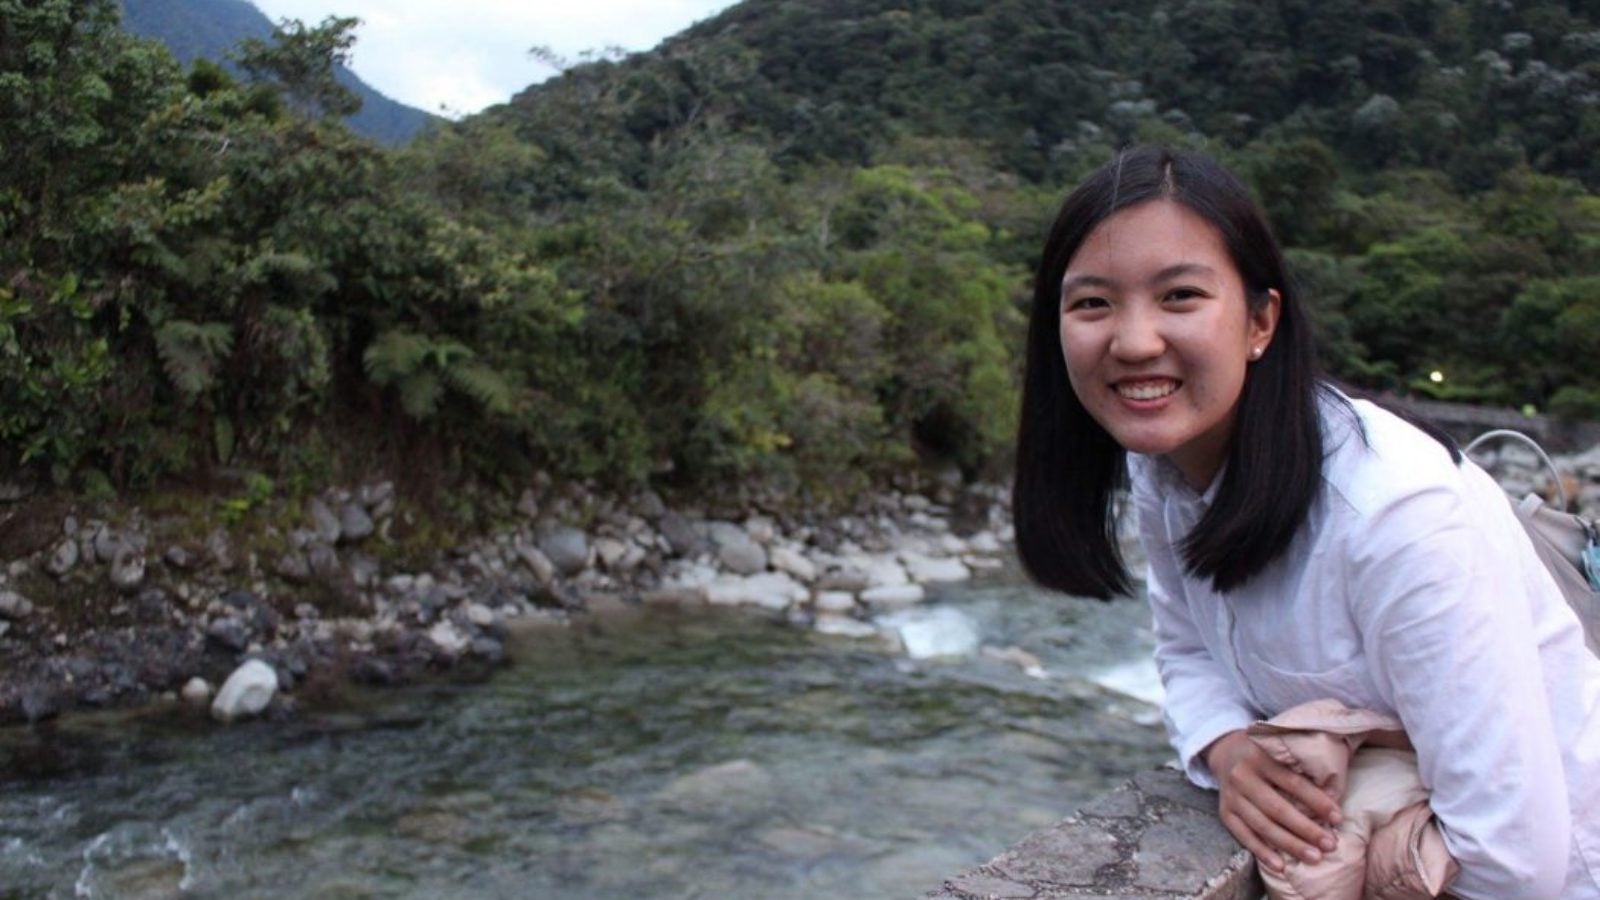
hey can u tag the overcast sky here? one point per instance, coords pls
(458, 56)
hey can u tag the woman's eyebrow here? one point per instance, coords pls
(1073, 282)
(1178, 270)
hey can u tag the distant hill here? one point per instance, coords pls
(211, 28)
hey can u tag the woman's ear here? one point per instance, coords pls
(1264, 322)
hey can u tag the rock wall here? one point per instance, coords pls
(1155, 838)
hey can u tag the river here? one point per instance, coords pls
(707, 753)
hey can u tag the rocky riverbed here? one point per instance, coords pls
(126, 607)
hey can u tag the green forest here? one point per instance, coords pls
(790, 247)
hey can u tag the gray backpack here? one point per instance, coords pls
(1567, 544)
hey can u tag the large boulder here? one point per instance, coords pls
(566, 547)
(246, 692)
(736, 549)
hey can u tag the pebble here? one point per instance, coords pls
(354, 523)
(246, 692)
(63, 558)
(835, 602)
(14, 606)
(324, 521)
(893, 595)
(197, 691)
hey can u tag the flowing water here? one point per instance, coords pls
(679, 754)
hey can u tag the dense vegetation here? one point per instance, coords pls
(211, 29)
(790, 247)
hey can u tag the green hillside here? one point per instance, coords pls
(784, 255)
(211, 29)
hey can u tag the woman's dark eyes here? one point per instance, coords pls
(1088, 303)
(1183, 294)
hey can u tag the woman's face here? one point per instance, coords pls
(1157, 334)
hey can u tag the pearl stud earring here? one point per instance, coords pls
(1255, 352)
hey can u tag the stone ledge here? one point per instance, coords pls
(1155, 838)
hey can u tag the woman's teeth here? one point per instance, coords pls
(1147, 390)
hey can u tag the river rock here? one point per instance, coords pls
(534, 559)
(12, 490)
(681, 535)
(229, 633)
(931, 633)
(354, 523)
(196, 691)
(835, 602)
(179, 557)
(984, 542)
(769, 590)
(479, 615)
(293, 567)
(106, 544)
(650, 506)
(788, 559)
(893, 595)
(14, 606)
(323, 561)
(323, 521)
(63, 558)
(845, 578)
(844, 626)
(246, 692)
(127, 568)
(926, 569)
(761, 529)
(881, 570)
(736, 549)
(566, 547)
(448, 638)
(611, 552)
(735, 787)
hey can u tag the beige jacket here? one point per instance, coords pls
(1390, 847)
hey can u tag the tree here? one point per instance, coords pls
(303, 63)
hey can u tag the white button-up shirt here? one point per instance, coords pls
(1412, 590)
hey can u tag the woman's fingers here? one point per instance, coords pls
(1310, 799)
(1275, 820)
(1247, 838)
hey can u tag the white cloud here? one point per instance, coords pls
(468, 54)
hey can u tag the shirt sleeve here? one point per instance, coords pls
(1448, 629)
(1202, 702)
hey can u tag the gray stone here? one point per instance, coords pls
(844, 626)
(374, 495)
(892, 595)
(323, 561)
(989, 886)
(611, 552)
(844, 578)
(1068, 853)
(566, 547)
(179, 557)
(528, 504)
(835, 602)
(737, 786)
(127, 569)
(14, 606)
(229, 633)
(246, 692)
(681, 535)
(1183, 853)
(354, 523)
(742, 557)
(13, 490)
(63, 558)
(788, 559)
(324, 521)
(106, 544)
(649, 505)
(539, 564)
(293, 567)
(196, 691)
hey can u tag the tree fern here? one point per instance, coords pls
(190, 354)
(420, 367)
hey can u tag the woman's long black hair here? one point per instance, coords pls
(1069, 467)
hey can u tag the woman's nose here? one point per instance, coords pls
(1136, 336)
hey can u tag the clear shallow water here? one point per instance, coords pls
(703, 753)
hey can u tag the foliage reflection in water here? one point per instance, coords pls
(708, 753)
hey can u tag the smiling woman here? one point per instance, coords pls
(1157, 349)
(1302, 546)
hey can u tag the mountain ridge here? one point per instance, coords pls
(209, 29)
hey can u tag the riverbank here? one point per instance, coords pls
(121, 605)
